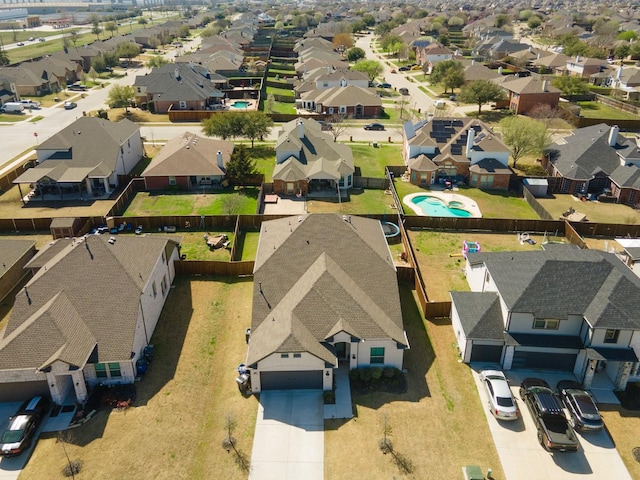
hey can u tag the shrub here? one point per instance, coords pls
(329, 397)
(389, 372)
(376, 373)
(365, 374)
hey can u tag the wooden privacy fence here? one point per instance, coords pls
(371, 182)
(7, 179)
(210, 267)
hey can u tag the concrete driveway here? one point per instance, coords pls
(10, 468)
(523, 458)
(288, 443)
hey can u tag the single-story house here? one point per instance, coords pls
(346, 99)
(307, 159)
(188, 161)
(325, 293)
(14, 255)
(455, 149)
(561, 308)
(85, 158)
(68, 332)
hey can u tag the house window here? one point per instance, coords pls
(183, 105)
(155, 291)
(163, 285)
(284, 355)
(101, 370)
(139, 90)
(114, 370)
(164, 259)
(330, 110)
(342, 109)
(546, 323)
(376, 356)
(172, 180)
(486, 181)
(474, 179)
(611, 336)
(297, 355)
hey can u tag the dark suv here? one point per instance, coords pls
(554, 431)
(23, 426)
(582, 409)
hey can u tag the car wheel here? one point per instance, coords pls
(541, 439)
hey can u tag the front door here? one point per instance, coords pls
(342, 350)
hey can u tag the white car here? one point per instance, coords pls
(501, 402)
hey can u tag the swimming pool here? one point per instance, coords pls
(240, 104)
(432, 206)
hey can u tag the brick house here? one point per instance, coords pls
(359, 102)
(526, 93)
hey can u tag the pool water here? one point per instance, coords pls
(434, 207)
(239, 104)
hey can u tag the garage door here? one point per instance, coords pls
(20, 391)
(303, 379)
(551, 361)
(486, 353)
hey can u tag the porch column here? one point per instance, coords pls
(588, 376)
(79, 386)
(327, 379)
(87, 182)
(105, 182)
(622, 377)
(508, 357)
(53, 388)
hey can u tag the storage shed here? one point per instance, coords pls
(537, 186)
(65, 227)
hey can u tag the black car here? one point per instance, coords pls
(384, 85)
(374, 126)
(406, 68)
(581, 406)
(22, 426)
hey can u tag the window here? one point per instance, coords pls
(297, 355)
(183, 105)
(486, 181)
(546, 323)
(172, 180)
(155, 291)
(284, 355)
(114, 370)
(101, 370)
(342, 109)
(164, 258)
(163, 285)
(377, 355)
(611, 336)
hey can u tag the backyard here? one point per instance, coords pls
(600, 110)
(595, 211)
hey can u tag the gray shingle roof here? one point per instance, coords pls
(479, 314)
(11, 251)
(316, 273)
(88, 292)
(565, 281)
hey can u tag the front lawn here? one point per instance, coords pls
(240, 201)
(177, 425)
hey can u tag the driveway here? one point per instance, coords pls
(10, 468)
(523, 458)
(288, 443)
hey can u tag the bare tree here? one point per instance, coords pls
(73, 467)
(403, 462)
(230, 443)
(338, 125)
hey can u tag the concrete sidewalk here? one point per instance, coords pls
(288, 443)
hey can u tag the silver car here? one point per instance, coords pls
(501, 402)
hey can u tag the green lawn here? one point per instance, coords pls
(361, 202)
(194, 246)
(264, 156)
(280, 91)
(598, 110)
(371, 161)
(247, 245)
(239, 201)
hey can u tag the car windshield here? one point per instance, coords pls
(504, 401)
(12, 436)
(587, 408)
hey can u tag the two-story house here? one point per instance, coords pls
(560, 308)
(526, 93)
(457, 149)
(584, 66)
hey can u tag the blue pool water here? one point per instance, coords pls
(239, 104)
(434, 207)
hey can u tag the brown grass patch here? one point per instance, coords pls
(177, 426)
(431, 423)
(623, 425)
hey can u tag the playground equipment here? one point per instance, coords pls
(470, 247)
(525, 238)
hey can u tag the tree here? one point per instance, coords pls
(628, 35)
(74, 38)
(502, 20)
(481, 92)
(300, 21)
(142, 21)
(227, 125)
(121, 96)
(240, 166)
(4, 59)
(373, 68)
(455, 21)
(354, 54)
(338, 125)
(622, 51)
(183, 31)
(93, 74)
(128, 50)
(448, 73)
(342, 42)
(388, 41)
(534, 22)
(279, 25)
(96, 30)
(524, 136)
(256, 125)
(111, 27)
(271, 103)
(156, 61)
(570, 85)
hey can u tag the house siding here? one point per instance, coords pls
(160, 183)
(11, 277)
(392, 354)
(275, 363)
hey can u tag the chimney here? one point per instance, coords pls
(219, 159)
(538, 56)
(343, 82)
(619, 73)
(545, 85)
(470, 136)
(300, 129)
(328, 70)
(577, 58)
(176, 73)
(613, 135)
(530, 49)
(473, 62)
(499, 70)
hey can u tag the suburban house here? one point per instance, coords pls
(308, 160)
(177, 86)
(14, 255)
(323, 78)
(560, 308)
(29, 81)
(477, 71)
(325, 293)
(85, 158)
(347, 99)
(85, 316)
(188, 161)
(555, 64)
(7, 91)
(584, 66)
(526, 93)
(455, 149)
(433, 53)
(627, 80)
(596, 160)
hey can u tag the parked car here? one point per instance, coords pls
(554, 431)
(31, 39)
(403, 91)
(384, 85)
(584, 414)
(22, 426)
(28, 103)
(406, 68)
(77, 87)
(41, 39)
(20, 44)
(325, 125)
(12, 107)
(501, 402)
(374, 126)
(70, 105)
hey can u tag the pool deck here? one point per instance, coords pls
(465, 202)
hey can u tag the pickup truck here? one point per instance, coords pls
(554, 431)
